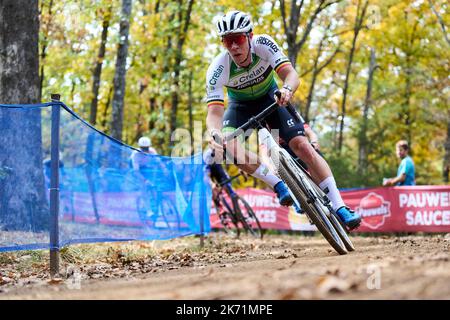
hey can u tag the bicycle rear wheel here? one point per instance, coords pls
(249, 219)
(231, 218)
(309, 202)
(142, 209)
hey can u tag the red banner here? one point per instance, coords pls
(402, 209)
(393, 209)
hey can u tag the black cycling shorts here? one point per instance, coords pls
(217, 172)
(284, 119)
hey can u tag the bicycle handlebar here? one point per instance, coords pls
(229, 180)
(253, 122)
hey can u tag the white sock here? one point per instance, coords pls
(263, 173)
(333, 192)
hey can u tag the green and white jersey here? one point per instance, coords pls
(244, 84)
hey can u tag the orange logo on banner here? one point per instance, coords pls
(374, 210)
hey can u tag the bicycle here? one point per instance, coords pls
(156, 210)
(237, 215)
(304, 191)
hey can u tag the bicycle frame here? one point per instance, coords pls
(304, 190)
(273, 151)
(232, 196)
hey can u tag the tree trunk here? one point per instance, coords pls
(316, 71)
(190, 106)
(407, 117)
(120, 72)
(105, 111)
(363, 140)
(23, 204)
(441, 22)
(139, 124)
(97, 73)
(357, 28)
(151, 121)
(407, 103)
(44, 45)
(446, 166)
(291, 25)
(182, 32)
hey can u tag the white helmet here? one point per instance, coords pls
(234, 22)
(144, 142)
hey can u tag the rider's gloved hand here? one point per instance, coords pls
(285, 97)
(315, 145)
(216, 144)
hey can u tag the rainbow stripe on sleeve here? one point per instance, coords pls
(216, 103)
(282, 65)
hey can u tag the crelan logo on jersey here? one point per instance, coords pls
(251, 75)
(216, 75)
(374, 210)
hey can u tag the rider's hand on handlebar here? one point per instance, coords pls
(315, 145)
(216, 144)
(285, 97)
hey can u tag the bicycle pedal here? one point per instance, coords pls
(353, 228)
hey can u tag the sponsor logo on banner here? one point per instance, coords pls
(374, 210)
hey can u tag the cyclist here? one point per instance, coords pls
(148, 170)
(246, 68)
(139, 160)
(216, 172)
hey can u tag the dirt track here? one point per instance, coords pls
(279, 267)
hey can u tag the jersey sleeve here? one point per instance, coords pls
(215, 82)
(268, 49)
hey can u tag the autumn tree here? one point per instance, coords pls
(120, 71)
(97, 71)
(23, 204)
(361, 9)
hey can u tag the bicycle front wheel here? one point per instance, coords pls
(315, 211)
(334, 218)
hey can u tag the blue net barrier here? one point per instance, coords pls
(103, 196)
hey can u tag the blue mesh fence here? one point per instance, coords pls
(102, 197)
